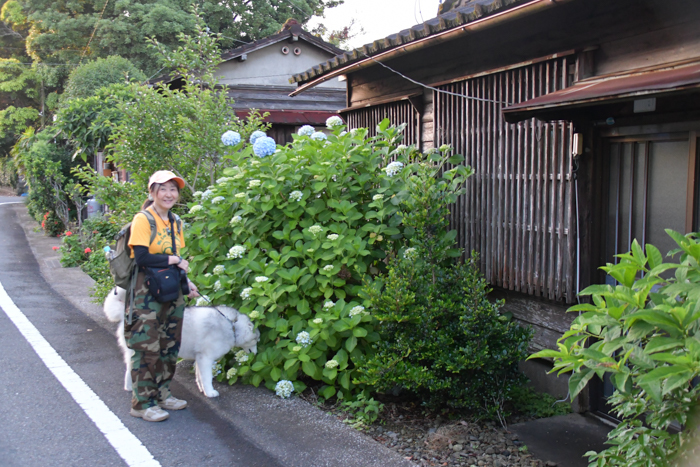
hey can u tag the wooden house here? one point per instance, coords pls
(257, 77)
(580, 118)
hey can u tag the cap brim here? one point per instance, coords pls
(180, 182)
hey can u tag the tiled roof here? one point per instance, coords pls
(291, 28)
(470, 12)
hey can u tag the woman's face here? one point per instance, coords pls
(166, 195)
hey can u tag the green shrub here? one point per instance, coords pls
(51, 224)
(123, 201)
(289, 239)
(77, 246)
(441, 338)
(46, 165)
(97, 267)
(84, 248)
(8, 172)
(645, 334)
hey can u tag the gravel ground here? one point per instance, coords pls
(430, 440)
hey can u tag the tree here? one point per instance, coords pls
(86, 79)
(48, 38)
(70, 32)
(19, 81)
(339, 37)
(87, 122)
(180, 129)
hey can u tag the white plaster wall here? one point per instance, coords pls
(270, 67)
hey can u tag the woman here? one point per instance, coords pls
(156, 328)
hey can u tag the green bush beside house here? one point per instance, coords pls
(644, 334)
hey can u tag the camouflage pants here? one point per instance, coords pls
(154, 335)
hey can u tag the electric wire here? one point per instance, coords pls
(97, 24)
(441, 91)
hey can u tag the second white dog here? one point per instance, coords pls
(207, 335)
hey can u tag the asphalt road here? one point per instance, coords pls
(41, 423)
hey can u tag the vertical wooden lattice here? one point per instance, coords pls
(397, 112)
(519, 209)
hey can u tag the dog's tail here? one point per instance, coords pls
(114, 304)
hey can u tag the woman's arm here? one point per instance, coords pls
(144, 258)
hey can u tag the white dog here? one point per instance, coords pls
(207, 335)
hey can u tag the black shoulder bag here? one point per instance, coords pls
(164, 283)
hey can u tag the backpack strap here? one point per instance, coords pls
(151, 223)
(178, 222)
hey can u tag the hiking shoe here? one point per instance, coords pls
(172, 403)
(151, 414)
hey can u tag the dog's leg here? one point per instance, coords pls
(204, 376)
(127, 353)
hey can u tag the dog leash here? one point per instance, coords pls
(217, 309)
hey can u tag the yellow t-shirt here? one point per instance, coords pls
(162, 243)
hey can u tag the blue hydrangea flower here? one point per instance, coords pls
(306, 130)
(256, 135)
(264, 146)
(231, 138)
(319, 136)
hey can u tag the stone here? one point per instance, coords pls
(489, 450)
(432, 431)
(457, 447)
(550, 464)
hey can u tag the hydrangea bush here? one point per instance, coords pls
(293, 241)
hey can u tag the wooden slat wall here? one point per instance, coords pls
(519, 209)
(397, 112)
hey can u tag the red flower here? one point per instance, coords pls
(95, 231)
(88, 250)
(54, 248)
(68, 233)
(42, 225)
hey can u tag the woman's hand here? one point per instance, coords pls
(194, 293)
(182, 263)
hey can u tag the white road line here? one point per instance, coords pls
(122, 440)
